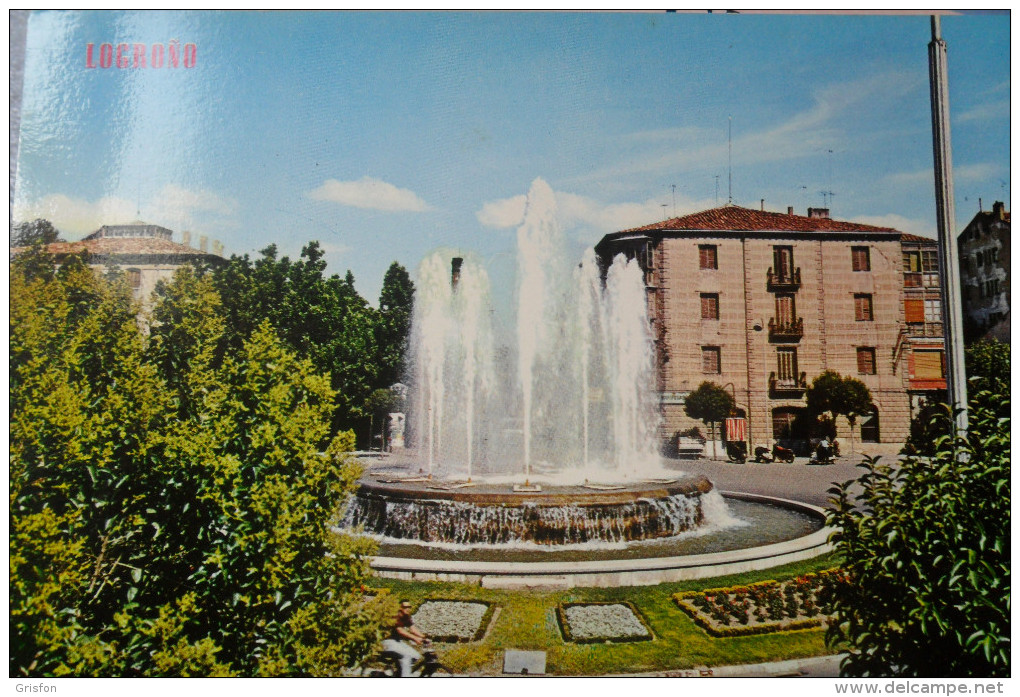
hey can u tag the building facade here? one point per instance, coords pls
(984, 274)
(146, 253)
(761, 303)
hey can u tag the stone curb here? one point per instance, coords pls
(816, 666)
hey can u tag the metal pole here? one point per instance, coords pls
(956, 380)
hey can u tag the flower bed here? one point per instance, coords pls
(760, 608)
(586, 623)
(450, 621)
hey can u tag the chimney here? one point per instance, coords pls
(763, 205)
(999, 210)
(186, 238)
(981, 207)
(789, 210)
(455, 265)
(818, 212)
(203, 243)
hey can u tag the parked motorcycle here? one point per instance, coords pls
(782, 454)
(763, 455)
(736, 451)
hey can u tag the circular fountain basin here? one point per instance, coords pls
(486, 514)
(647, 542)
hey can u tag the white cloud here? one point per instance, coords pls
(805, 133)
(914, 226)
(984, 112)
(584, 214)
(76, 216)
(504, 212)
(172, 207)
(368, 192)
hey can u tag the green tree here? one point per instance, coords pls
(926, 547)
(322, 319)
(710, 403)
(835, 395)
(35, 232)
(172, 512)
(396, 302)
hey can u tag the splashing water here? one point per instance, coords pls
(570, 396)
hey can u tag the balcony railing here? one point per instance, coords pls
(925, 329)
(786, 330)
(792, 386)
(784, 281)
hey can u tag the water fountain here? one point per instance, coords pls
(546, 438)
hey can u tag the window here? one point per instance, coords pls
(930, 262)
(914, 310)
(709, 255)
(710, 360)
(928, 365)
(869, 426)
(709, 306)
(862, 307)
(933, 310)
(785, 310)
(912, 262)
(646, 260)
(861, 258)
(134, 278)
(865, 360)
(786, 364)
(783, 257)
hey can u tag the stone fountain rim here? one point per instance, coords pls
(620, 572)
(375, 486)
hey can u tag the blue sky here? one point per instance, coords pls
(385, 135)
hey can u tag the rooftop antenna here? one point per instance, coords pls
(730, 161)
(717, 189)
(830, 193)
(674, 199)
(664, 217)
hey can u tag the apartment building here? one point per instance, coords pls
(761, 303)
(984, 274)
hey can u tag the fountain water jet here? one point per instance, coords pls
(573, 386)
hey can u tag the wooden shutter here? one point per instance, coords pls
(928, 365)
(914, 310)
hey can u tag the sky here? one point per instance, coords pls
(386, 135)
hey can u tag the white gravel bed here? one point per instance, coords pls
(603, 622)
(449, 618)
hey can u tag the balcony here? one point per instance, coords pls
(787, 387)
(929, 329)
(783, 330)
(784, 282)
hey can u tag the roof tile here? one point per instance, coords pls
(739, 218)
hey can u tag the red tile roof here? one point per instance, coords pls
(110, 246)
(738, 218)
(907, 237)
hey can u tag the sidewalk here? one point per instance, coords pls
(816, 667)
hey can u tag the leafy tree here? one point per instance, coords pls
(711, 404)
(396, 301)
(36, 232)
(835, 395)
(322, 319)
(171, 511)
(926, 545)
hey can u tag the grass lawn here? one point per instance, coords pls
(527, 620)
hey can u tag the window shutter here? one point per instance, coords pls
(928, 365)
(914, 310)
